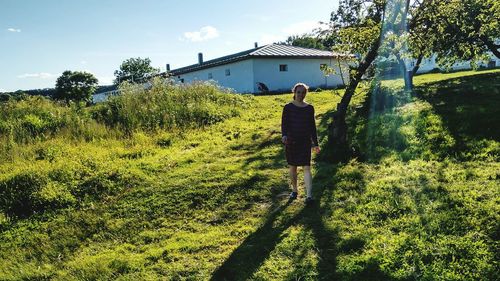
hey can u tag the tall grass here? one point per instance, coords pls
(168, 106)
(37, 119)
(163, 106)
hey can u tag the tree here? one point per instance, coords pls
(305, 41)
(135, 70)
(405, 30)
(421, 37)
(395, 37)
(354, 29)
(465, 29)
(75, 86)
(453, 30)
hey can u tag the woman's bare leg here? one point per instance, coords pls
(308, 180)
(293, 177)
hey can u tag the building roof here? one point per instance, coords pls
(267, 51)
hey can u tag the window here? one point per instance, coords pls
(210, 75)
(228, 72)
(283, 67)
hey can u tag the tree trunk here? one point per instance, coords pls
(492, 47)
(411, 73)
(417, 65)
(337, 136)
(408, 78)
(407, 75)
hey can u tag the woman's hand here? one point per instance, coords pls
(284, 139)
(316, 149)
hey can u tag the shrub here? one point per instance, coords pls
(39, 118)
(18, 193)
(167, 106)
(32, 118)
(5, 97)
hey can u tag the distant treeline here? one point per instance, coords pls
(47, 92)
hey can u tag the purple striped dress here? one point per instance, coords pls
(297, 124)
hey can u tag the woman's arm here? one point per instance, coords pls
(284, 124)
(312, 125)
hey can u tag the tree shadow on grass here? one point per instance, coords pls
(468, 106)
(467, 110)
(262, 155)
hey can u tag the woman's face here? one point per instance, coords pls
(300, 93)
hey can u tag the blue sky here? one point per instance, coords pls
(39, 39)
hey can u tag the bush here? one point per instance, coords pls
(39, 118)
(5, 97)
(18, 193)
(32, 118)
(162, 107)
(167, 106)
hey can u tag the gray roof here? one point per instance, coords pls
(267, 51)
(278, 50)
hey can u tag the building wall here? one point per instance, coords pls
(240, 76)
(104, 96)
(244, 75)
(267, 71)
(429, 64)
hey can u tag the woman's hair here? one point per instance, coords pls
(299, 85)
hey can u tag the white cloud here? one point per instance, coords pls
(302, 27)
(2, 90)
(83, 62)
(205, 33)
(14, 30)
(41, 75)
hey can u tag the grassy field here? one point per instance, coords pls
(418, 201)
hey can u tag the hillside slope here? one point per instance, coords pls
(420, 203)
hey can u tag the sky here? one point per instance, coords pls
(39, 39)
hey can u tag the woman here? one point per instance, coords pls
(298, 131)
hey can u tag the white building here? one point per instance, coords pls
(430, 64)
(273, 68)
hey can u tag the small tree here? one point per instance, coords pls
(75, 86)
(354, 29)
(135, 70)
(305, 41)
(5, 97)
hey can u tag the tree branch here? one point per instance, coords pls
(491, 46)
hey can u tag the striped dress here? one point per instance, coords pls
(297, 124)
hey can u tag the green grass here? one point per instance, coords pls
(419, 201)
